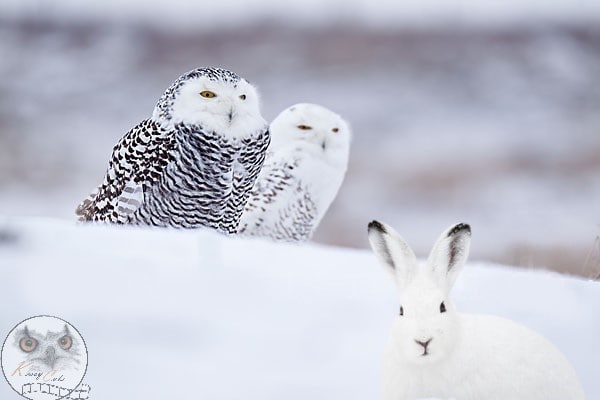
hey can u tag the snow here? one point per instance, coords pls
(180, 314)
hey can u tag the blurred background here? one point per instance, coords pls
(479, 111)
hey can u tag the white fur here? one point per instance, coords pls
(213, 113)
(470, 356)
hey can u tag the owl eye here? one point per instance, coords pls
(304, 127)
(208, 94)
(243, 97)
(28, 344)
(335, 130)
(65, 342)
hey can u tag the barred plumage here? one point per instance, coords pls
(280, 205)
(193, 164)
(304, 168)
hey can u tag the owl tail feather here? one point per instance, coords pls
(85, 210)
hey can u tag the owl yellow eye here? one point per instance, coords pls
(304, 127)
(28, 344)
(243, 97)
(335, 130)
(208, 94)
(65, 342)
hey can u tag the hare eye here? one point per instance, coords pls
(442, 307)
(401, 310)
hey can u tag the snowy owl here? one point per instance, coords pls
(54, 350)
(305, 166)
(193, 163)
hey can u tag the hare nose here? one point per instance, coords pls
(425, 343)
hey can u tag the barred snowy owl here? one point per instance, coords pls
(193, 163)
(54, 350)
(305, 166)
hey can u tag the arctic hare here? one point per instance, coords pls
(436, 351)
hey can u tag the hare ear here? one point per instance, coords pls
(450, 253)
(392, 251)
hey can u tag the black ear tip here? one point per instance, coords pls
(460, 228)
(378, 226)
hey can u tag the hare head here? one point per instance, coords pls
(426, 328)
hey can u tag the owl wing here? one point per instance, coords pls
(245, 171)
(273, 183)
(137, 159)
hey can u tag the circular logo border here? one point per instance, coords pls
(49, 316)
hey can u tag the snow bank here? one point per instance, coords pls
(170, 314)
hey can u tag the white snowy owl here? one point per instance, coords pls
(193, 163)
(55, 350)
(304, 169)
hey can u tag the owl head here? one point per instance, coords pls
(314, 129)
(213, 98)
(54, 350)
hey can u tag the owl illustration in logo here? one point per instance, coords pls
(53, 351)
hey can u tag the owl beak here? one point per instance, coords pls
(231, 115)
(324, 144)
(50, 357)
